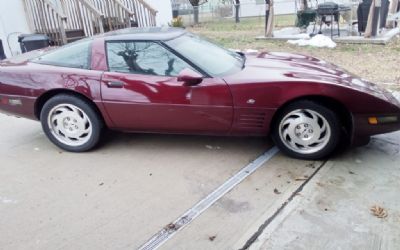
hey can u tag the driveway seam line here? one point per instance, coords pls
(171, 229)
(261, 229)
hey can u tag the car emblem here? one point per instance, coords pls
(251, 101)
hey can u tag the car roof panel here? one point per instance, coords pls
(149, 33)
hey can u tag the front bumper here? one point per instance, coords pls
(362, 126)
(366, 125)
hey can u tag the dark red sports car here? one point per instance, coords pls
(167, 80)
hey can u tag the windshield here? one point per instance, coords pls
(213, 59)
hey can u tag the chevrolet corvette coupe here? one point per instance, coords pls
(167, 80)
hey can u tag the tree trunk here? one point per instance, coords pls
(303, 4)
(269, 18)
(373, 19)
(392, 10)
(368, 29)
(196, 14)
(237, 11)
(377, 17)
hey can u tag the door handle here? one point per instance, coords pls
(115, 84)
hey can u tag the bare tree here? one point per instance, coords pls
(269, 18)
(237, 10)
(196, 4)
(303, 4)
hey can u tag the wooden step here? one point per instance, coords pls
(74, 39)
(74, 33)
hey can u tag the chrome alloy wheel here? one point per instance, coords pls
(304, 131)
(69, 125)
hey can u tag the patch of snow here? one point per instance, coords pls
(251, 51)
(7, 201)
(319, 41)
(290, 33)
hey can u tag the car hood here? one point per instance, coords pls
(286, 67)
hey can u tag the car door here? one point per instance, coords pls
(141, 92)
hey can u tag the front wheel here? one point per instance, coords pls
(307, 130)
(71, 123)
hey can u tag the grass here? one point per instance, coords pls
(377, 63)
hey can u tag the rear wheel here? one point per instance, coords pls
(71, 123)
(307, 130)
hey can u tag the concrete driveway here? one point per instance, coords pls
(135, 185)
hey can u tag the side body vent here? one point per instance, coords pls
(252, 120)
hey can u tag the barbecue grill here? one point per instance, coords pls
(328, 8)
(329, 13)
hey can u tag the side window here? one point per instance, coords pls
(147, 58)
(75, 55)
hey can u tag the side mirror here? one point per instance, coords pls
(190, 77)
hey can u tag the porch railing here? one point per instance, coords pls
(82, 15)
(145, 15)
(47, 19)
(117, 15)
(75, 19)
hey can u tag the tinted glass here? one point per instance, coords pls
(212, 58)
(74, 55)
(147, 58)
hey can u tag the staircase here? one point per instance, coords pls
(72, 20)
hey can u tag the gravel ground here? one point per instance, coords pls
(377, 63)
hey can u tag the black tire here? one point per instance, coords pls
(90, 121)
(293, 131)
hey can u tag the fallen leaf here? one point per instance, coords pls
(170, 226)
(276, 191)
(310, 165)
(304, 178)
(379, 212)
(212, 238)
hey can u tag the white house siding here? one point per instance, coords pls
(257, 7)
(12, 19)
